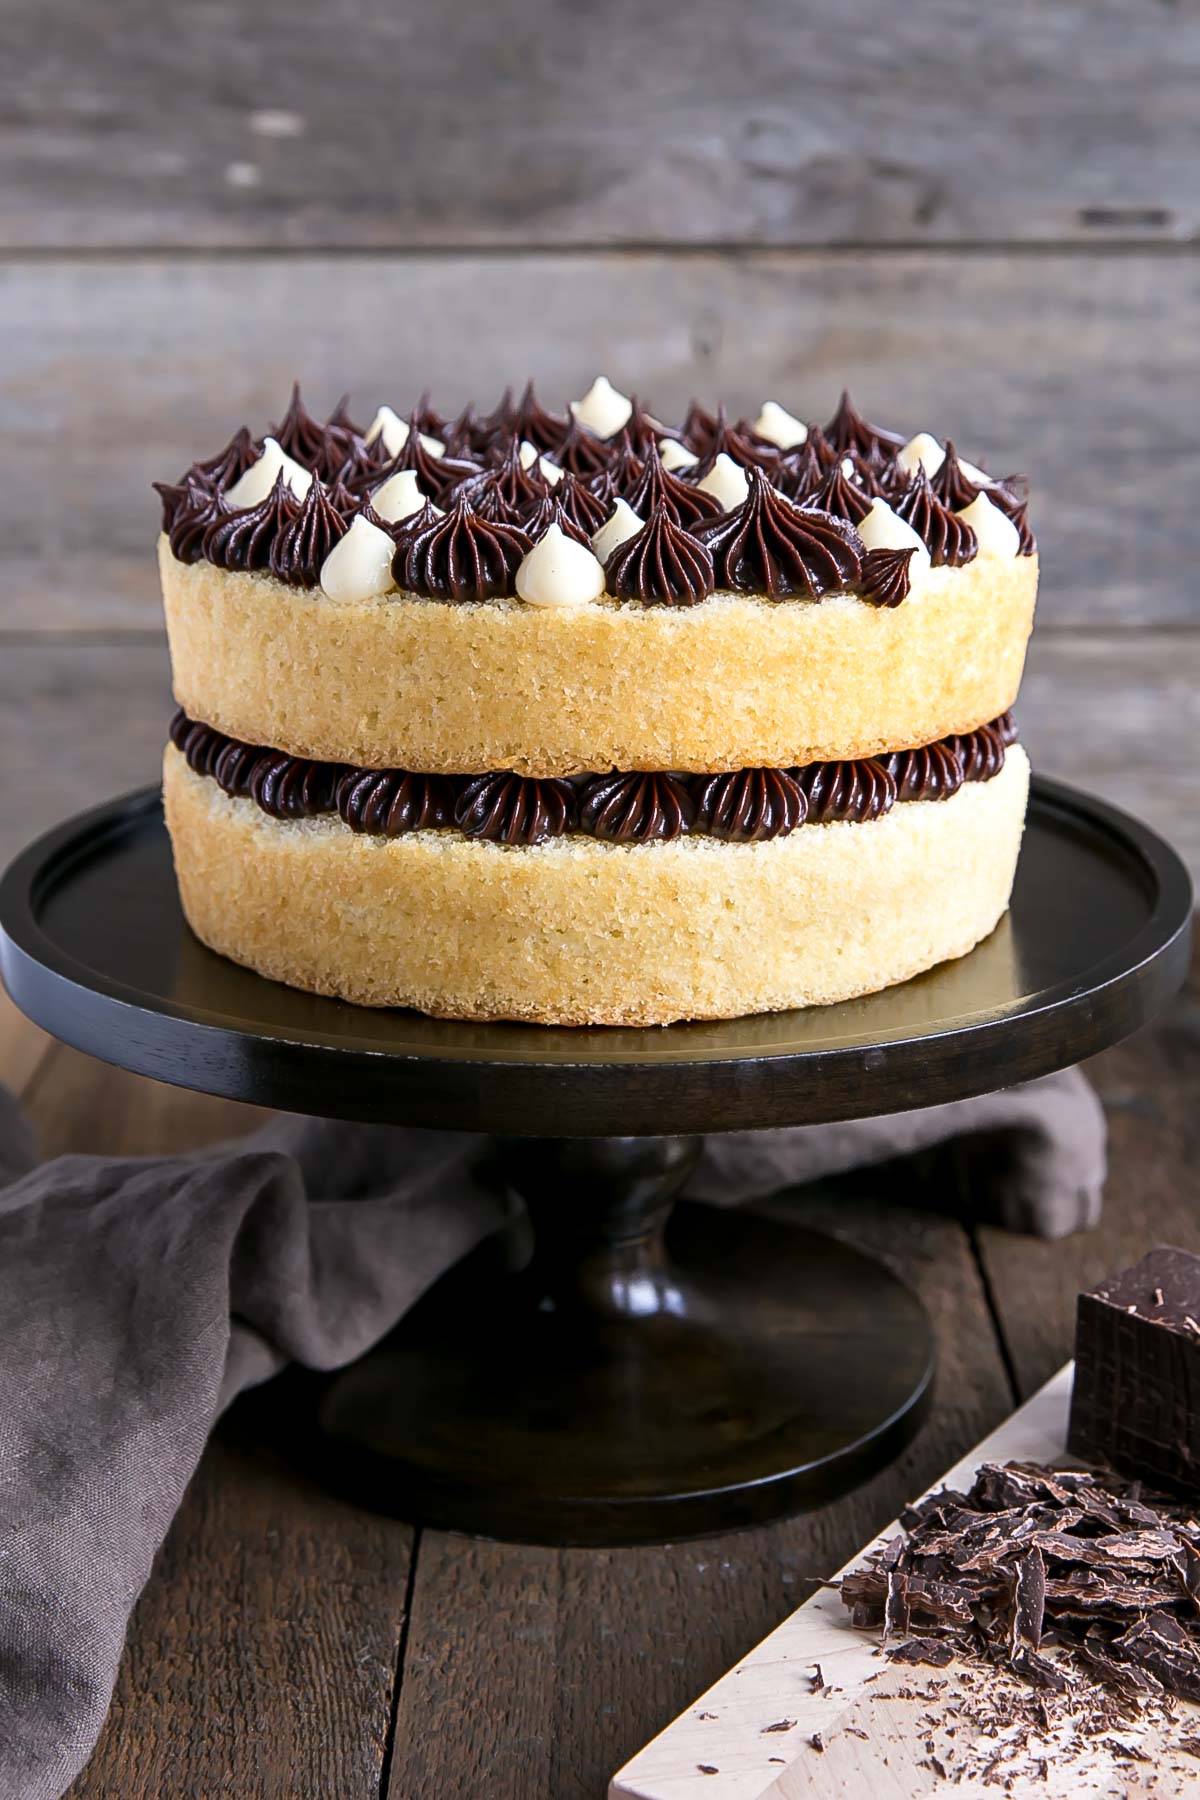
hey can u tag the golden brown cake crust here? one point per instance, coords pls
(735, 682)
(576, 931)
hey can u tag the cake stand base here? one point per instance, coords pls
(652, 1372)
(645, 1374)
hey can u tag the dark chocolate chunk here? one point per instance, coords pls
(936, 1651)
(1136, 1399)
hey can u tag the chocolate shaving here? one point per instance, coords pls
(936, 1651)
(1029, 1599)
(1060, 1577)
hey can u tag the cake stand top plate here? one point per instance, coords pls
(94, 947)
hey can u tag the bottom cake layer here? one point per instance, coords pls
(579, 931)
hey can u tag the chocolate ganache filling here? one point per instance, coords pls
(458, 555)
(683, 501)
(480, 478)
(772, 546)
(886, 576)
(244, 537)
(302, 436)
(301, 546)
(631, 807)
(750, 805)
(637, 808)
(535, 425)
(188, 511)
(437, 475)
(838, 495)
(848, 431)
(949, 539)
(661, 563)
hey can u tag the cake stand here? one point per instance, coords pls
(630, 1369)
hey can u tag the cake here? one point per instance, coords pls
(588, 718)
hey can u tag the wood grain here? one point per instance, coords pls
(1111, 711)
(535, 1673)
(261, 1657)
(354, 125)
(1120, 715)
(79, 722)
(1080, 370)
(1148, 1086)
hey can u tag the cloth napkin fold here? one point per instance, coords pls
(139, 1296)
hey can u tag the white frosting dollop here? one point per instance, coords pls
(394, 431)
(622, 523)
(883, 529)
(997, 534)
(676, 455)
(924, 449)
(262, 475)
(602, 409)
(399, 497)
(726, 482)
(528, 454)
(558, 571)
(360, 564)
(779, 426)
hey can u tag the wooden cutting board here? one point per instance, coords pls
(817, 1710)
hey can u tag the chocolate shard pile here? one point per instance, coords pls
(1135, 1404)
(1060, 1576)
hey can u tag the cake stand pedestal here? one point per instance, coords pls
(617, 1367)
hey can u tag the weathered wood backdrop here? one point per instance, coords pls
(983, 218)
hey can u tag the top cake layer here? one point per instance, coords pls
(594, 589)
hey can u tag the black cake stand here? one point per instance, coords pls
(646, 1369)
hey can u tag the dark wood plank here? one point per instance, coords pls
(1148, 1086)
(1112, 711)
(261, 1657)
(352, 124)
(1079, 370)
(533, 1674)
(1120, 715)
(79, 722)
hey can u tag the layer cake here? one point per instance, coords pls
(592, 719)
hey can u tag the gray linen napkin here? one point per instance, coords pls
(138, 1296)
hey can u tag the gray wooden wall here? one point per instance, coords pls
(983, 217)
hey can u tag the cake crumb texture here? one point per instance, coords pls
(735, 682)
(578, 931)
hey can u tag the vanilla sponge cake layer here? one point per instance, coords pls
(578, 931)
(735, 682)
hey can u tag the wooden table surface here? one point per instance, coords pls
(983, 219)
(289, 1645)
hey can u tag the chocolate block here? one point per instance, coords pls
(1136, 1399)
